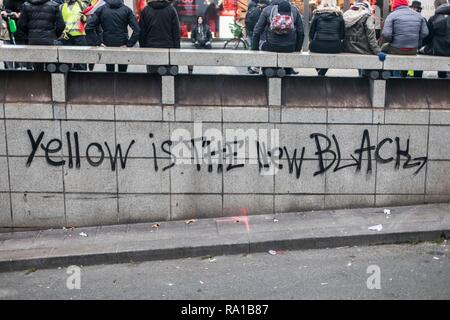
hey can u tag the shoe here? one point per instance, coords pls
(253, 70)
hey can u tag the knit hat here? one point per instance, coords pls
(416, 4)
(284, 7)
(399, 3)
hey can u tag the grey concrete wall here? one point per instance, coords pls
(55, 189)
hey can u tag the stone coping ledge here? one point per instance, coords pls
(231, 58)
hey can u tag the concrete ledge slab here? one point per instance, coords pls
(237, 58)
(419, 62)
(136, 56)
(22, 53)
(330, 61)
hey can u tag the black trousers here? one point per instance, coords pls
(266, 46)
(17, 65)
(275, 48)
(76, 41)
(202, 45)
(112, 67)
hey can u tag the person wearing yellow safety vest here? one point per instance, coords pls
(74, 34)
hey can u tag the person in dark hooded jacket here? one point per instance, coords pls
(289, 42)
(327, 31)
(160, 26)
(327, 28)
(437, 43)
(41, 22)
(114, 18)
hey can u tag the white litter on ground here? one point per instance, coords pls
(272, 252)
(387, 211)
(83, 234)
(378, 227)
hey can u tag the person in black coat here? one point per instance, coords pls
(41, 23)
(160, 26)
(201, 35)
(327, 31)
(11, 10)
(437, 43)
(113, 18)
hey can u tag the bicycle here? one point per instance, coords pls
(238, 38)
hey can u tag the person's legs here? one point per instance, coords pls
(387, 48)
(39, 67)
(79, 41)
(110, 67)
(123, 67)
(9, 64)
(322, 72)
(76, 41)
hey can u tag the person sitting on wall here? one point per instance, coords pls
(437, 43)
(327, 30)
(201, 35)
(403, 30)
(283, 26)
(360, 35)
(251, 19)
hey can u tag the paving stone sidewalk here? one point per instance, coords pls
(228, 235)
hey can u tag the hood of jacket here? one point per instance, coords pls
(443, 9)
(276, 2)
(352, 16)
(38, 2)
(328, 12)
(159, 4)
(114, 3)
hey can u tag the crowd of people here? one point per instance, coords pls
(272, 25)
(279, 27)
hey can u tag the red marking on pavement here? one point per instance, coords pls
(238, 219)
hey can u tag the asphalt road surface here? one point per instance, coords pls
(420, 271)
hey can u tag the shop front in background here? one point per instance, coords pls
(219, 14)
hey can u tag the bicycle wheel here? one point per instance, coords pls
(230, 44)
